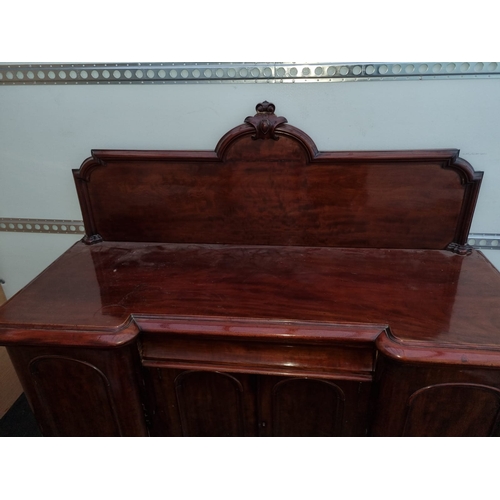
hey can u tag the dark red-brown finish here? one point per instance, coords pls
(82, 391)
(267, 184)
(265, 289)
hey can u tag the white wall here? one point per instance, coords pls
(45, 131)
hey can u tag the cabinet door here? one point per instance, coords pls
(85, 392)
(300, 406)
(203, 403)
(436, 401)
(453, 410)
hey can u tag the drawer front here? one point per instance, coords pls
(330, 361)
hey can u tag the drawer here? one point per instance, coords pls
(261, 347)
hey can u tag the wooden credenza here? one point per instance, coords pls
(265, 289)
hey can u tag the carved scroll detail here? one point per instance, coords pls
(459, 249)
(92, 239)
(265, 121)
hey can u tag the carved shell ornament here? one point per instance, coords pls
(265, 121)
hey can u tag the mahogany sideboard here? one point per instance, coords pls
(265, 289)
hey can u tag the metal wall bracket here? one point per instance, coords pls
(54, 226)
(259, 72)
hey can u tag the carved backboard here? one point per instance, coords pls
(267, 184)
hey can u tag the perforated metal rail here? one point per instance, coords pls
(55, 226)
(261, 72)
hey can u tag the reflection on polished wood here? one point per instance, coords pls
(265, 289)
(10, 387)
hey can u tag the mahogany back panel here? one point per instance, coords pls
(267, 184)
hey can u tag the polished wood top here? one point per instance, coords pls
(422, 295)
